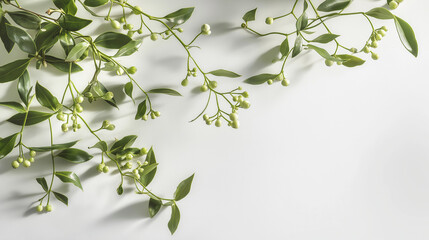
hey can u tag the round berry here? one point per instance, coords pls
(374, 44)
(185, 82)
(108, 96)
(100, 167)
(20, 159)
(269, 20)
(49, 208)
(132, 70)
(233, 116)
(111, 127)
(329, 63)
(78, 108)
(378, 37)
(105, 169)
(39, 208)
(145, 117)
(64, 127)
(213, 84)
(366, 49)
(218, 123)
(393, 5)
(285, 82)
(154, 36)
(60, 116)
(137, 10)
(129, 26)
(374, 56)
(115, 24)
(157, 113)
(245, 94)
(79, 99)
(129, 156)
(122, 20)
(270, 81)
(31, 159)
(180, 29)
(204, 88)
(27, 163)
(143, 151)
(235, 124)
(15, 164)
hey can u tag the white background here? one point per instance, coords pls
(339, 154)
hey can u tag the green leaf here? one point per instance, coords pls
(77, 51)
(284, 47)
(54, 147)
(260, 79)
(7, 144)
(68, 6)
(95, 3)
(302, 22)
(149, 168)
(72, 23)
(13, 105)
(61, 197)
(147, 178)
(100, 89)
(180, 16)
(297, 48)
(120, 190)
(128, 88)
(43, 183)
(47, 36)
(380, 13)
(167, 91)
(407, 36)
(125, 142)
(250, 15)
(66, 41)
(112, 40)
(102, 145)
(224, 73)
(24, 87)
(13, 70)
(325, 38)
(350, 60)
(154, 206)
(183, 188)
(141, 110)
(8, 44)
(69, 177)
(333, 5)
(32, 118)
(322, 52)
(62, 65)
(46, 99)
(21, 38)
(174, 219)
(129, 48)
(75, 155)
(25, 19)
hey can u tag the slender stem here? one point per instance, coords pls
(53, 162)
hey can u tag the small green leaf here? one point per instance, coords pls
(8, 44)
(302, 22)
(62, 65)
(66, 41)
(47, 36)
(149, 168)
(284, 47)
(224, 73)
(21, 38)
(7, 144)
(129, 48)
(77, 51)
(260, 79)
(128, 89)
(141, 110)
(43, 183)
(322, 52)
(112, 40)
(120, 190)
(125, 142)
(32, 118)
(72, 23)
(75, 155)
(407, 36)
(69, 177)
(102, 145)
(380, 13)
(333, 5)
(150, 158)
(68, 6)
(154, 206)
(25, 19)
(183, 188)
(13, 70)
(167, 91)
(13, 105)
(297, 48)
(46, 99)
(180, 16)
(54, 147)
(325, 38)
(350, 60)
(174, 219)
(24, 87)
(61, 197)
(250, 15)
(95, 3)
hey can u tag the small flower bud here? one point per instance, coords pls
(15, 164)
(64, 127)
(100, 167)
(129, 156)
(218, 123)
(143, 151)
(213, 84)
(108, 96)
(269, 20)
(39, 208)
(393, 5)
(285, 82)
(205, 29)
(235, 124)
(204, 88)
(157, 113)
(132, 70)
(137, 10)
(49, 208)
(115, 24)
(329, 63)
(20, 159)
(105, 169)
(245, 94)
(27, 163)
(154, 36)
(374, 56)
(185, 82)
(111, 127)
(180, 29)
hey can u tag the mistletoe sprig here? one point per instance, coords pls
(311, 19)
(37, 33)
